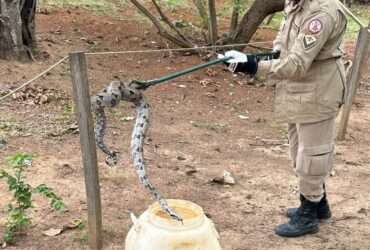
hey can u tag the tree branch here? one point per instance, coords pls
(28, 12)
(202, 13)
(162, 31)
(234, 17)
(169, 23)
(254, 17)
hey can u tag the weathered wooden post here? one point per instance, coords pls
(81, 96)
(212, 22)
(358, 68)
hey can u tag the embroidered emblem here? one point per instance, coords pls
(309, 41)
(315, 26)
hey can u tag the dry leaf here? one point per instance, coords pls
(191, 172)
(205, 82)
(211, 72)
(181, 158)
(53, 232)
(73, 224)
(243, 117)
(127, 118)
(209, 94)
(44, 99)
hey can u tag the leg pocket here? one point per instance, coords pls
(320, 165)
(315, 161)
(313, 173)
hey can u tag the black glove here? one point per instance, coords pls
(269, 56)
(276, 54)
(249, 67)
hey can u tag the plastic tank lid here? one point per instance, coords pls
(192, 215)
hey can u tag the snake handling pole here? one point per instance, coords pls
(171, 76)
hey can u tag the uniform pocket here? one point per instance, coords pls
(300, 87)
(316, 161)
(298, 93)
(320, 164)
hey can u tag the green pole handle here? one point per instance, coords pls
(191, 69)
(181, 72)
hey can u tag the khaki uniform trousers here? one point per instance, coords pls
(312, 152)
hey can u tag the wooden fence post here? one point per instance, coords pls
(212, 21)
(358, 68)
(88, 148)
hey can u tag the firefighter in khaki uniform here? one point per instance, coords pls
(308, 95)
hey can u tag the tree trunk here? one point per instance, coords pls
(254, 17)
(28, 23)
(17, 29)
(203, 14)
(234, 17)
(212, 22)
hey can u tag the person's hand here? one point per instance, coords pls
(275, 54)
(241, 62)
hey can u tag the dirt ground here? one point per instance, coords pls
(202, 124)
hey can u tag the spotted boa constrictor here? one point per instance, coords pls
(110, 97)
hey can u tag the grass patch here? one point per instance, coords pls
(226, 8)
(96, 5)
(217, 127)
(82, 238)
(104, 6)
(361, 11)
(172, 4)
(276, 21)
(10, 126)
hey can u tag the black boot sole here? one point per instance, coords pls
(294, 235)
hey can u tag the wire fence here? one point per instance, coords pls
(364, 86)
(33, 79)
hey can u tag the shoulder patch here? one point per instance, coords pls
(315, 26)
(309, 41)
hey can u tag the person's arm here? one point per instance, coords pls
(316, 30)
(276, 44)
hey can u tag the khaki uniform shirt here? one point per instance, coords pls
(310, 70)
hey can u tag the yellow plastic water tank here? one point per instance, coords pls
(155, 230)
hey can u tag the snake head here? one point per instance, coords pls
(177, 218)
(174, 215)
(112, 159)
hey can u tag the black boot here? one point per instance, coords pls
(323, 209)
(304, 222)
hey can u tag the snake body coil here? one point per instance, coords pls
(110, 97)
